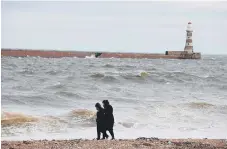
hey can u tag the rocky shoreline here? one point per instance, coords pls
(140, 143)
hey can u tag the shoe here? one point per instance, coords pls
(107, 136)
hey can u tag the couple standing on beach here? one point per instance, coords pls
(104, 120)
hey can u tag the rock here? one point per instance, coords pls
(141, 138)
(154, 138)
(135, 145)
(4, 143)
(76, 141)
(188, 143)
(26, 142)
(147, 144)
(177, 143)
(147, 139)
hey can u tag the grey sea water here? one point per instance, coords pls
(54, 98)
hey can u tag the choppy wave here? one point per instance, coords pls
(57, 85)
(77, 117)
(117, 76)
(143, 74)
(57, 96)
(197, 105)
(98, 75)
(69, 94)
(26, 71)
(84, 113)
(17, 119)
(127, 124)
(109, 66)
(52, 72)
(91, 56)
(8, 119)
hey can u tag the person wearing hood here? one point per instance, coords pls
(100, 121)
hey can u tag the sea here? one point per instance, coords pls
(54, 98)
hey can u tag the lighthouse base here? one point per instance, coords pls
(184, 54)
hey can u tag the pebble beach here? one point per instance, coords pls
(140, 143)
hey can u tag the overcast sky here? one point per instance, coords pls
(114, 26)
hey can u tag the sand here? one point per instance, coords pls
(140, 143)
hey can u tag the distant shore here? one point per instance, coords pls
(118, 144)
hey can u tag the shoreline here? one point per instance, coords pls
(118, 143)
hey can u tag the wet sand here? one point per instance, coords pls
(140, 143)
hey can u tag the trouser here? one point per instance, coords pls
(99, 131)
(111, 133)
(110, 129)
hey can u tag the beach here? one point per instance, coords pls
(116, 144)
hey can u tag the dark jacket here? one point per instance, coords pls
(100, 119)
(109, 118)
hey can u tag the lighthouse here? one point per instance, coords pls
(188, 45)
(188, 52)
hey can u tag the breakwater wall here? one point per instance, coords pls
(81, 54)
(184, 54)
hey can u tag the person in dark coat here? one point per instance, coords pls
(109, 118)
(100, 121)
